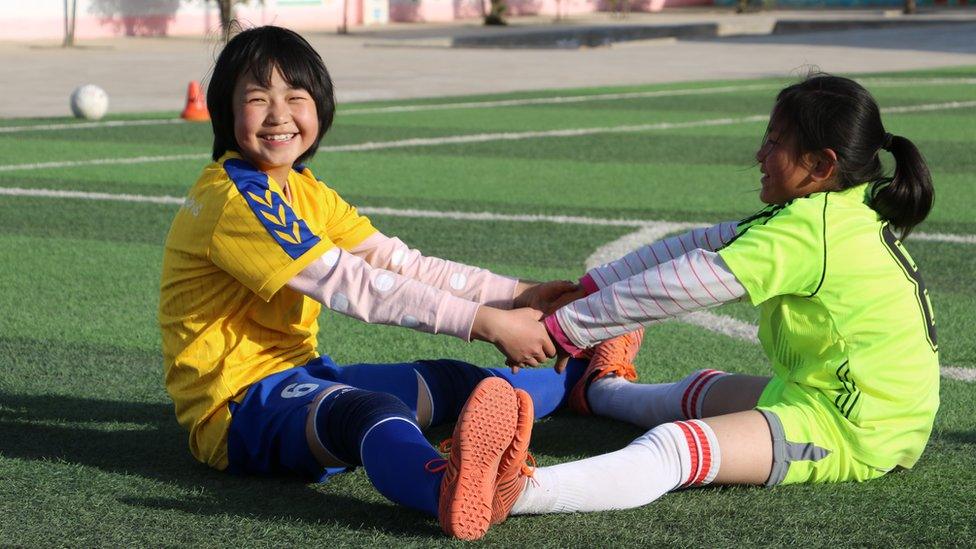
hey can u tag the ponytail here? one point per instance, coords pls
(832, 112)
(905, 199)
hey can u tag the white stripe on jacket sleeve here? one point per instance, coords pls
(707, 238)
(696, 280)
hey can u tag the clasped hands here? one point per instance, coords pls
(519, 333)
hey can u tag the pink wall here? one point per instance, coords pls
(445, 10)
(188, 19)
(201, 19)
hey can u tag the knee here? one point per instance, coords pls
(343, 422)
(354, 406)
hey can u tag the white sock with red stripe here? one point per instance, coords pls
(647, 405)
(670, 456)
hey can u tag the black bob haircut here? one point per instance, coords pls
(259, 51)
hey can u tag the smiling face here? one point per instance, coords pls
(273, 125)
(785, 173)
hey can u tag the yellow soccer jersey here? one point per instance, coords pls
(226, 318)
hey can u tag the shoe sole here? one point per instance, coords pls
(510, 478)
(484, 431)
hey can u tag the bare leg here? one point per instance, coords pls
(746, 445)
(733, 393)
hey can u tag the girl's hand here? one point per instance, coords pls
(567, 298)
(545, 296)
(518, 334)
(562, 359)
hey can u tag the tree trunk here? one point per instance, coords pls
(226, 8)
(70, 11)
(344, 26)
(497, 14)
(910, 7)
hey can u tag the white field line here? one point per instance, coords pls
(648, 231)
(652, 231)
(962, 374)
(880, 82)
(929, 107)
(871, 82)
(517, 136)
(565, 99)
(721, 324)
(91, 125)
(473, 138)
(559, 100)
(106, 197)
(942, 237)
(415, 142)
(102, 162)
(489, 216)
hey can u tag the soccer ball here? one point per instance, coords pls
(89, 101)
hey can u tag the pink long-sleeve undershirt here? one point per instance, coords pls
(464, 281)
(349, 285)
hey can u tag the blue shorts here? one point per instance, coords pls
(267, 434)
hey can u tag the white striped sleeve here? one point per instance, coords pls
(707, 238)
(692, 281)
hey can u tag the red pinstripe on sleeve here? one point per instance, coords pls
(666, 290)
(660, 276)
(677, 274)
(702, 284)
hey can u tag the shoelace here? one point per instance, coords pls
(529, 470)
(437, 465)
(617, 345)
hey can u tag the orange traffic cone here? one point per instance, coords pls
(196, 105)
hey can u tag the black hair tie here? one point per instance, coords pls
(886, 142)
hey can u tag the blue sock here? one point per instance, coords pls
(548, 389)
(378, 431)
(449, 383)
(395, 455)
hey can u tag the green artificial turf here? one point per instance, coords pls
(90, 451)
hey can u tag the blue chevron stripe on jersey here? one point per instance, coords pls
(288, 230)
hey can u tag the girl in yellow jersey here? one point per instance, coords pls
(260, 245)
(845, 320)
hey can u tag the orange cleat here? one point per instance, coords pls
(513, 469)
(612, 357)
(486, 428)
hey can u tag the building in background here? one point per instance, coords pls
(44, 19)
